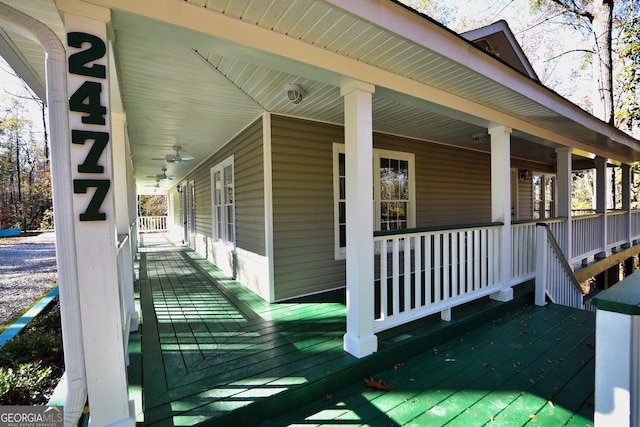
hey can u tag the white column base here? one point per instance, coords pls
(504, 295)
(360, 347)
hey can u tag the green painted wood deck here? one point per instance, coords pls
(209, 352)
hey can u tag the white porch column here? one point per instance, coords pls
(564, 167)
(501, 202)
(91, 142)
(602, 196)
(359, 340)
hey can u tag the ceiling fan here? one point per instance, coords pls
(162, 175)
(176, 158)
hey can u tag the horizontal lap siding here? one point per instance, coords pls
(302, 163)
(453, 185)
(249, 188)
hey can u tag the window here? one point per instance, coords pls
(544, 192)
(222, 188)
(393, 193)
(192, 207)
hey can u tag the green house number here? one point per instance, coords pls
(86, 100)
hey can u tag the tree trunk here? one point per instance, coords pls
(602, 63)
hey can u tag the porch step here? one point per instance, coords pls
(395, 346)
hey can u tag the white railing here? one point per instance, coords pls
(587, 236)
(617, 228)
(634, 225)
(523, 247)
(125, 287)
(419, 273)
(152, 224)
(554, 276)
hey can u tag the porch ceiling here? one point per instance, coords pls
(184, 87)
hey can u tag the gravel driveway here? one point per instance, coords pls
(27, 271)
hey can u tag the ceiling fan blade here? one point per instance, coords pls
(186, 157)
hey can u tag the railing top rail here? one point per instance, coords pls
(535, 221)
(595, 215)
(622, 298)
(431, 229)
(122, 239)
(616, 212)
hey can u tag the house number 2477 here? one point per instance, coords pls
(87, 101)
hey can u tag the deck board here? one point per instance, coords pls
(211, 352)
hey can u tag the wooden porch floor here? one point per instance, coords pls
(209, 352)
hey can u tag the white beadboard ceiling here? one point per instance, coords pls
(180, 87)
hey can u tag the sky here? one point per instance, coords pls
(10, 87)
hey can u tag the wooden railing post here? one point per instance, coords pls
(542, 249)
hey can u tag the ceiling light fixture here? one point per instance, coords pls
(295, 93)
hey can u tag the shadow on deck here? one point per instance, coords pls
(209, 352)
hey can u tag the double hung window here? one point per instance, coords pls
(223, 201)
(393, 193)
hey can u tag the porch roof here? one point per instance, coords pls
(213, 353)
(195, 73)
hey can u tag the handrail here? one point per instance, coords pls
(563, 261)
(381, 233)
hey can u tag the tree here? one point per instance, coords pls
(628, 76)
(25, 185)
(594, 18)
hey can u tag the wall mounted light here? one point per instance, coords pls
(295, 93)
(480, 138)
(524, 174)
(179, 188)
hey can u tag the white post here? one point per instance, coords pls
(94, 214)
(501, 202)
(542, 250)
(564, 167)
(359, 340)
(626, 199)
(617, 351)
(602, 195)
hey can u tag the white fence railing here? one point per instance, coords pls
(634, 225)
(152, 224)
(617, 228)
(128, 315)
(554, 276)
(425, 272)
(523, 247)
(587, 236)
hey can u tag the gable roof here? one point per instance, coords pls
(498, 39)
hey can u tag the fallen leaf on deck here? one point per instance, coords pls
(485, 364)
(551, 404)
(532, 416)
(328, 397)
(380, 384)
(549, 361)
(398, 365)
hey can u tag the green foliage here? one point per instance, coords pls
(28, 347)
(20, 386)
(152, 205)
(25, 184)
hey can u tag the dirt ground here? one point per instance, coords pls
(27, 271)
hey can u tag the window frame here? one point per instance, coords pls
(542, 202)
(338, 148)
(226, 237)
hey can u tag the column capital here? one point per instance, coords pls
(496, 127)
(356, 85)
(81, 8)
(564, 150)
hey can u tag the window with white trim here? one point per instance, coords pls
(223, 202)
(544, 192)
(393, 192)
